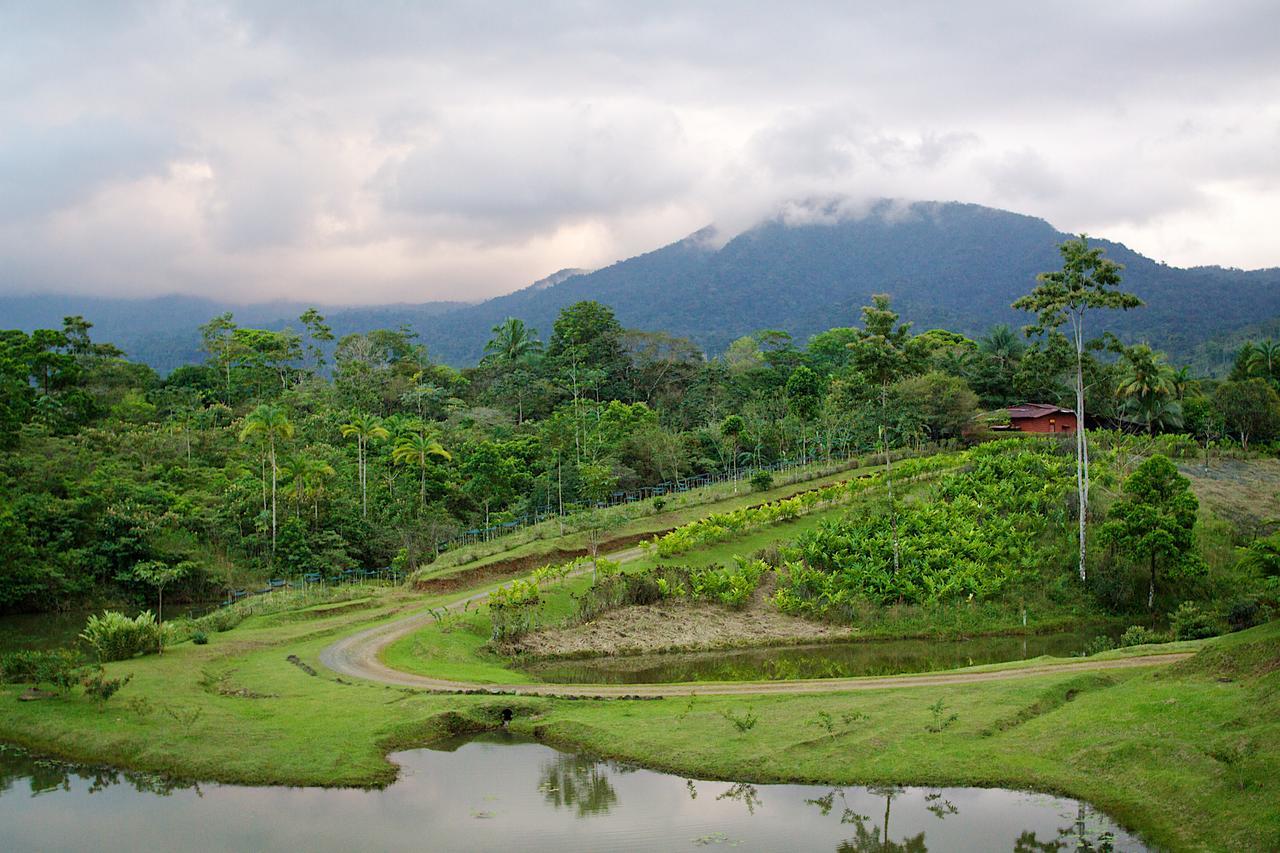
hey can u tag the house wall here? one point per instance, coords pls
(1057, 422)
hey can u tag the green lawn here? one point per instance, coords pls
(1186, 754)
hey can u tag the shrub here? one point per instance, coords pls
(200, 638)
(659, 503)
(1100, 643)
(114, 636)
(99, 688)
(762, 481)
(58, 667)
(1136, 635)
(1189, 622)
(1243, 613)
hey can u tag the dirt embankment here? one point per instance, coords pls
(677, 625)
(503, 569)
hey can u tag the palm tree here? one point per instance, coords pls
(512, 341)
(317, 475)
(415, 449)
(1263, 360)
(1146, 384)
(302, 472)
(1182, 383)
(365, 429)
(270, 423)
(1002, 345)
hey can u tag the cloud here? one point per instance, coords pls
(351, 153)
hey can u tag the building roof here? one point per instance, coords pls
(1036, 410)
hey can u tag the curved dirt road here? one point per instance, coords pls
(357, 656)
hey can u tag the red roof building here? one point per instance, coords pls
(1042, 418)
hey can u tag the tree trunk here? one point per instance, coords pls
(1151, 588)
(1082, 446)
(888, 477)
(273, 498)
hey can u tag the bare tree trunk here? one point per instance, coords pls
(888, 478)
(1082, 445)
(273, 498)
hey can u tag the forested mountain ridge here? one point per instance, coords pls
(957, 266)
(951, 265)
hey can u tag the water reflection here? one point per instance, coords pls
(577, 782)
(831, 660)
(497, 792)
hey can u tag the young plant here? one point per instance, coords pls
(100, 689)
(940, 719)
(743, 722)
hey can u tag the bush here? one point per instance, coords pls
(659, 503)
(1189, 622)
(99, 688)
(1100, 643)
(1136, 635)
(200, 638)
(1243, 613)
(114, 636)
(762, 481)
(58, 667)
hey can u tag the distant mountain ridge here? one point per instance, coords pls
(944, 263)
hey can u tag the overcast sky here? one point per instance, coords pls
(383, 151)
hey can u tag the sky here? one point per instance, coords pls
(369, 152)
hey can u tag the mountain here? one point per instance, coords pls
(944, 263)
(164, 332)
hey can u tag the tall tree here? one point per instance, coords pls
(269, 423)
(365, 429)
(882, 354)
(1146, 386)
(418, 449)
(1087, 281)
(512, 342)
(1155, 521)
(218, 339)
(319, 333)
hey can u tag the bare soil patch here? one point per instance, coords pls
(677, 625)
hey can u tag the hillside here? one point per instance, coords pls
(945, 264)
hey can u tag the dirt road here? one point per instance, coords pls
(357, 656)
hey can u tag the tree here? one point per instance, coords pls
(804, 398)
(1250, 409)
(1087, 281)
(596, 483)
(881, 354)
(1155, 521)
(1146, 385)
(418, 449)
(217, 339)
(512, 342)
(364, 429)
(319, 333)
(489, 476)
(731, 428)
(159, 575)
(270, 424)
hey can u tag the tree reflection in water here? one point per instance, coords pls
(578, 782)
(45, 775)
(747, 794)
(872, 838)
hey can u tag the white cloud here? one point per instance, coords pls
(346, 152)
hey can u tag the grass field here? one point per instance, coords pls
(1184, 754)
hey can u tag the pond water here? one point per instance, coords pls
(55, 629)
(827, 660)
(499, 792)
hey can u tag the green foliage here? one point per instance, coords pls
(199, 638)
(513, 610)
(1191, 622)
(1154, 524)
(58, 667)
(114, 636)
(1137, 635)
(99, 688)
(743, 722)
(762, 481)
(977, 537)
(731, 586)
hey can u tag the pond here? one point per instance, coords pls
(55, 629)
(499, 792)
(827, 660)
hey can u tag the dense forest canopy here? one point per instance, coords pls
(294, 451)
